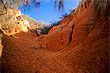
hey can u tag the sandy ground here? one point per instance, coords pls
(87, 51)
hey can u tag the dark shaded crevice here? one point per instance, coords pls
(70, 39)
(13, 36)
(1, 70)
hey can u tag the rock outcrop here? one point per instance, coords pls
(79, 44)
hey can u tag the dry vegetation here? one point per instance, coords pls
(98, 5)
(8, 20)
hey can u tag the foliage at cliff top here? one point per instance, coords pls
(8, 21)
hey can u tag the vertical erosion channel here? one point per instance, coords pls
(70, 38)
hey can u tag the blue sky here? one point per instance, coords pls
(47, 11)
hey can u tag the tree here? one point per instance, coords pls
(16, 3)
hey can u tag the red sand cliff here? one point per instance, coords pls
(80, 44)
